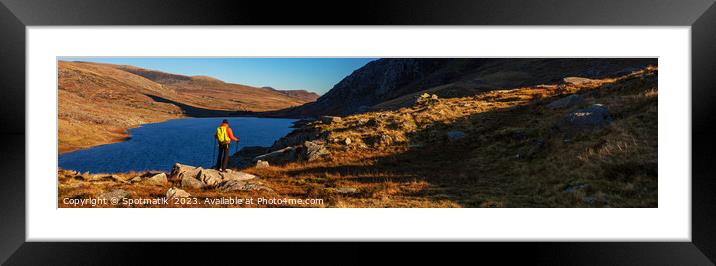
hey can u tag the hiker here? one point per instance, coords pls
(224, 136)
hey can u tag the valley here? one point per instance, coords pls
(432, 133)
(97, 102)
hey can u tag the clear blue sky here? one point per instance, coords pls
(312, 74)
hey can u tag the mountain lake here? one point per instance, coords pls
(188, 141)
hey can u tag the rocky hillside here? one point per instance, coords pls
(97, 103)
(394, 82)
(578, 142)
(574, 141)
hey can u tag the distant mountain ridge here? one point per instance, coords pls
(300, 94)
(389, 79)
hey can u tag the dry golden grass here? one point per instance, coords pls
(513, 154)
(97, 103)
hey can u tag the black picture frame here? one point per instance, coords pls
(16, 15)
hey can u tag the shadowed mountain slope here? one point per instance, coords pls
(389, 79)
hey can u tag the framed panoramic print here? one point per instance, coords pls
(579, 127)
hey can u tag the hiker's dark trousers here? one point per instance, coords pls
(223, 158)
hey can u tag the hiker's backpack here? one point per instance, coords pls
(221, 135)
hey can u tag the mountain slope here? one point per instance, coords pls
(97, 103)
(299, 94)
(578, 144)
(211, 93)
(388, 79)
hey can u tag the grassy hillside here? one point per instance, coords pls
(514, 149)
(97, 103)
(516, 152)
(211, 93)
(396, 79)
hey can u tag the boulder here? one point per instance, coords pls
(136, 179)
(426, 98)
(245, 156)
(114, 195)
(207, 177)
(330, 119)
(284, 155)
(347, 141)
(190, 182)
(210, 177)
(577, 80)
(177, 193)
(179, 171)
(314, 150)
(297, 137)
(595, 116)
(262, 164)
(241, 185)
(233, 175)
(151, 173)
(158, 179)
(565, 102)
(454, 135)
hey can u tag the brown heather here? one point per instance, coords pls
(513, 154)
(97, 103)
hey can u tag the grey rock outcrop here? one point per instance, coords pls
(176, 193)
(297, 137)
(262, 164)
(285, 155)
(245, 156)
(114, 195)
(241, 185)
(594, 116)
(330, 119)
(234, 175)
(158, 179)
(179, 171)
(577, 80)
(454, 135)
(565, 102)
(207, 178)
(191, 182)
(314, 150)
